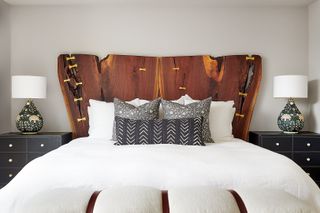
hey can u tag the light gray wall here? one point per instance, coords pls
(40, 34)
(5, 95)
(314, 65)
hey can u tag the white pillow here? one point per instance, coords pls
(101, 117)
(220, 118)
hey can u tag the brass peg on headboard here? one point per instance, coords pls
(70, 58)
(78, 83)
(73, 66)
(176, 68)
(182, 88)
(82, 119)
(251, 58)
(142, 69)
(67, 80)
(243, 94)
(239, 115)
(78, 99)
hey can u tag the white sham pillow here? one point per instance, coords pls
(220, 118)
(101, 116)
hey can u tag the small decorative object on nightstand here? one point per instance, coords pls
(302, 148)
(290, 119)
(29, 120)
(16, 150)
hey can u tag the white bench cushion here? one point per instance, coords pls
(129, 199)
(64, 200)
(202, 199)
(273, 200)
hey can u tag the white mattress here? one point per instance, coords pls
(98, 164)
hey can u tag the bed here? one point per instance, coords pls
(96, 164)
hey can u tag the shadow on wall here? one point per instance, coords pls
(313, 99)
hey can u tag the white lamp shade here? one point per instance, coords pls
(27, 86)
(290, 86)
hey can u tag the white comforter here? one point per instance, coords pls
(98, 164)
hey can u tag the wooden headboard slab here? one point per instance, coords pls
(83, 77)
(79, 77)
(129, 77)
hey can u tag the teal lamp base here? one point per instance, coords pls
(290, 120)
(29, 121)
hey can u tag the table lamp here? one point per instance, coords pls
(29, 120)
(290, 120)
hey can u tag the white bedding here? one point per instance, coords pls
(98, 164)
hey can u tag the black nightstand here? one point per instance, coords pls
(303, 148)
(16, 150)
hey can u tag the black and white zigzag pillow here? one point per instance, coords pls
(146, 111)
(174, 110)
(186, 131)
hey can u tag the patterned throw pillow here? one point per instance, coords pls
(146, 111)
(186, 131)
(202, 108)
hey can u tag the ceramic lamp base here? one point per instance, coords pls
(29, 121)
(290, 120)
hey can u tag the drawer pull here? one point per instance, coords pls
(10, 145)
(308, 159)
(10, 160)
(308, 144)
(42, 145)
(10, 175)
(277, 144)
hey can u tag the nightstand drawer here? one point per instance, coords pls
(306, 143)
(33, 156)
(12, 160)
(277, 143)
(307, 159)
(313, 172)
(13, 145)
(42, 145)
(6, 175)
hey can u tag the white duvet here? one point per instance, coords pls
(98, 164)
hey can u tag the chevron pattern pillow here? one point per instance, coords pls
(198, 109)
(146, 111)
(186, 131)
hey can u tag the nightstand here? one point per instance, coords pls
(16, 150)
(303, 148)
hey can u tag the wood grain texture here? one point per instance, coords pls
(82, 83)
(127, 77)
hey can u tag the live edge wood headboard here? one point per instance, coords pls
(83, 77)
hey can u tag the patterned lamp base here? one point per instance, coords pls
(29, 120)
(290, 120)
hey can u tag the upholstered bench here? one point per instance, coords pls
(195, 200)
(147, 200)
(150, 200)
